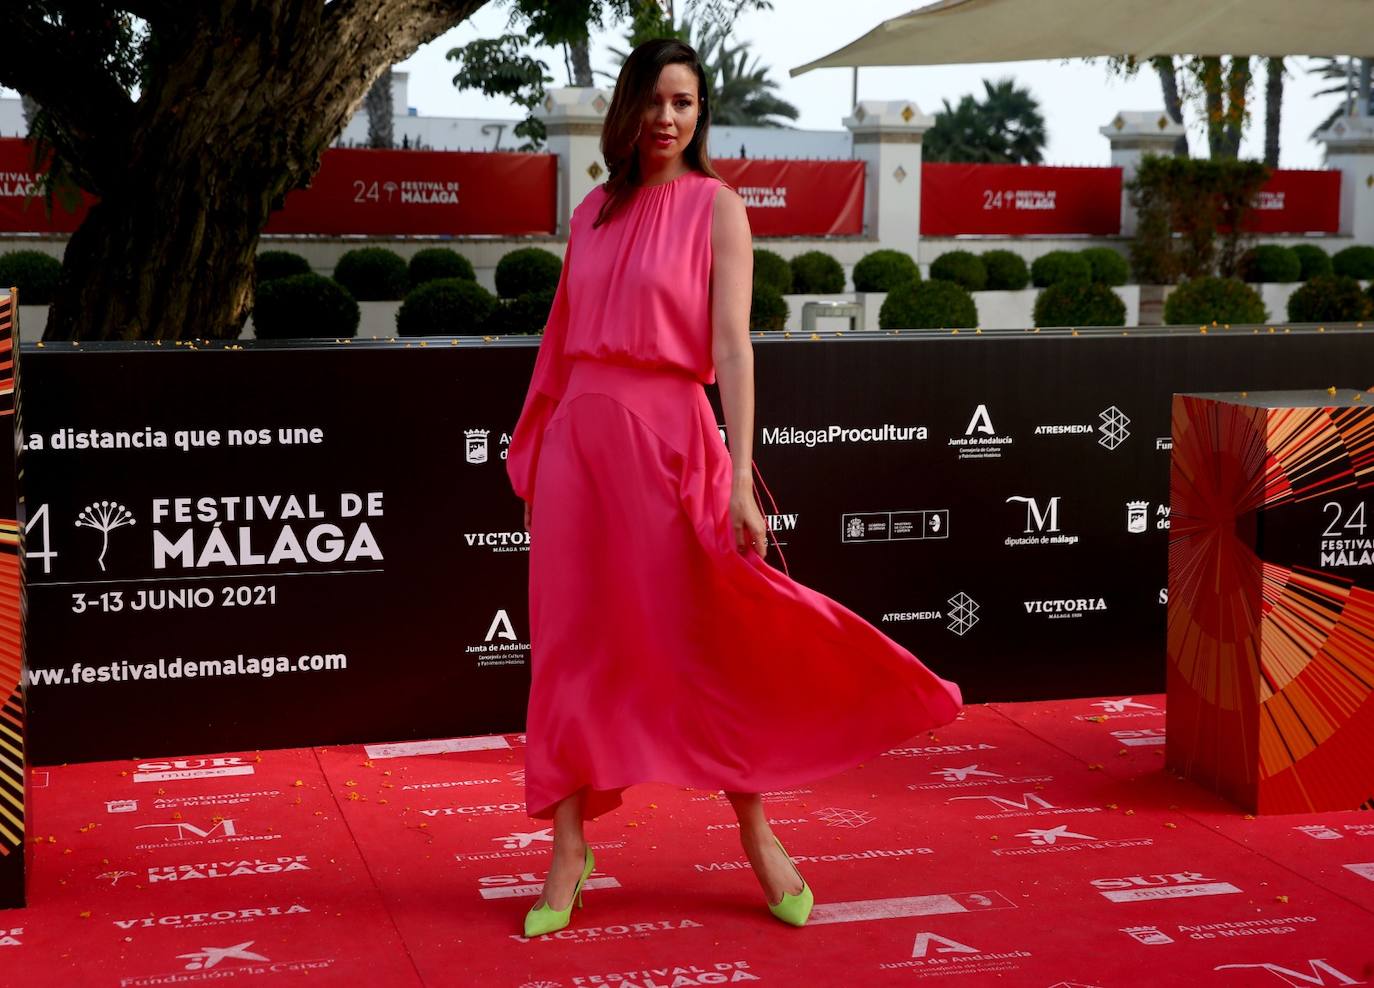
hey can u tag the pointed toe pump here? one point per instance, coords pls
(793, 909)
(545, 919)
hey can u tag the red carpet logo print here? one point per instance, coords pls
(939, 860)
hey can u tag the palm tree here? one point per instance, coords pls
(741, 93)
(1273, 103)
(1004, 127)
(1340, 70)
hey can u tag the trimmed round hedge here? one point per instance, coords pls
(1007, 271)
(962, 268)
(928, 305)
(1060, 266)
(767, 309)
(1075, 303)
(1314, 260)
(527, 270)
(1201, 301)
(523, 315)
(434, 263)
(33, 273)
(1330, 298)
(373, 274)
(1107, 266)
(816, 273)
(303, 305)
(771, 270)
(1271, 263)
(445, 306)
(273, 264)
(884, 270)
(1354, 262)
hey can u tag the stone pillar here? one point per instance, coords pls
(573, 117)
(1350, 149)
(1133, 134)
(887, 138)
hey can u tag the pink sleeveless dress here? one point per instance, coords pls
(659, 652)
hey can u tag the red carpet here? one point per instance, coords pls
(1027, 844)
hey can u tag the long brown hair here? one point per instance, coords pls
(633, 90)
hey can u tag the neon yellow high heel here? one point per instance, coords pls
(793, 909)
(545, 919)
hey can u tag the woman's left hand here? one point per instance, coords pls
(748, 524)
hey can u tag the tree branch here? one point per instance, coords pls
(360, 39)
(101, 105)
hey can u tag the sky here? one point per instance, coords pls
(1076, 98)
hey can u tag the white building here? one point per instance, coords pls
(498, 134)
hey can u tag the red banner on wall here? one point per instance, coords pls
(798, 198)
(424, 193)
(1297, 202)
(1019, 199)
(23, 206)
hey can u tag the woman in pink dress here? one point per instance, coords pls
(663, 646)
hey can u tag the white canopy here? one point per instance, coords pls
(958, 31)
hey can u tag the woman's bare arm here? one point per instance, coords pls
(732, 277)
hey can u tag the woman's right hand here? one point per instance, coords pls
(527, 516)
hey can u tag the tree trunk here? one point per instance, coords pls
(231, 118)
(1273, 109)
(1173, 105)
(380, 113)
(1237, 103)
(582, 63)
(1210, 76)
(166, 259)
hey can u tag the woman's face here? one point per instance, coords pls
(670, 118)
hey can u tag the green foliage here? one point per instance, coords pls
(527, 270)
(433, 263)
(373, 274)
(1005, 126)
(816, 273)
(1314, 260)
(884, 270)
(500, 67)
(33, 273)
(1007, 271)
(303, 306)
(1354, 262)
(272, 264)
(1060, 267)
(768, 309)
(1206, 300)
(1108, 267)
(524, 314)
(1270, 263)
(962, 268)
(1195, 197)
(772, 270)
(928, 305)
(1330, 298)
(1079, 303)
(447, 306)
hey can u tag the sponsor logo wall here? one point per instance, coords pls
(224, 556)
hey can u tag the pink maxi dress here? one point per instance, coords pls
(659, 652)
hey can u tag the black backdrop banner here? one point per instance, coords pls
(287, 544)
